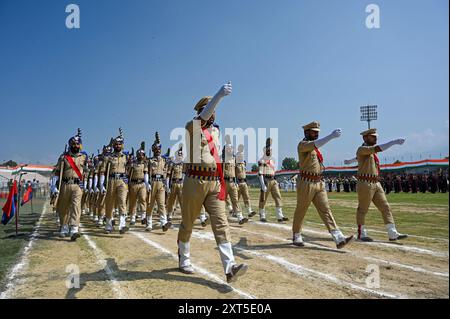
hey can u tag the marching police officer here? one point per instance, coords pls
(369, 188)
(311, 187)
(157, 169)
(269, 184)
(69, 173)
(204, 185)
(114, 182)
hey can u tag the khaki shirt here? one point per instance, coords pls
(157, 166)
(177, 170)
(198, 152)
(241, 172)
(137, 170)
(79, 160)
(308, 160)
(366, 160)
(266, 166)
(229, 168)
(118, 164)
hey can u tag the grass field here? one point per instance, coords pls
(140, 264)
(10, 245)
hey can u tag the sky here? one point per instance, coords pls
(142, 65)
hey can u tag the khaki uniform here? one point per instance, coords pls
(175, 174)
(117, 187)
(85, 197)
(157, 169)
(369, 188)
(267, 170)
(201, 191)
(311, 188)
(229, 172)
(70, 194)
(137, 188)
(241, 176)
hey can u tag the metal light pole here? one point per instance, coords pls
(369, 113)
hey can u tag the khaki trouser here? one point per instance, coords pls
(93, 203)
(308, 192)
(101, 204)
(195, 194)
(137, 197)
(69, 204)
(232, 192)
(372, 192)
(274, 190)
(85, 201)
(244, 192)
(176, 192)
(116, 195)
(158, 196)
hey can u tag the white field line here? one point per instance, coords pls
(198, 269)
(371, 230)
(101, 260)
(304, 271)
(20, 267)
(391, 246)
(371, 259)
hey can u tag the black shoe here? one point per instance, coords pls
(144, 221)
(284, 219)
(366, 239)
(203, 224)
(236, 271)
(75, 236)
(123, 230)
(263, 220)
(251, 214)
(166, 226)
(243, 221)
(343, 243)
(401, 236)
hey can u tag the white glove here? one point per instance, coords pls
(387, 145)
(322, 141)
(350, 161)
(102, 182)
(54, 189)
(167, 186)
(147, 184)
(211, 106)
(263, 185)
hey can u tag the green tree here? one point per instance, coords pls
(9, 163)
(289, 163)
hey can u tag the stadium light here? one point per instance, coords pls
(369, 113)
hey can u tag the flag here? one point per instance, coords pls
(9, 209)
(27, 196)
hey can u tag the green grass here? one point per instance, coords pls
(11, 246)
(420, 214)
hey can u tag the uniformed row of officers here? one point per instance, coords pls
(204, 181)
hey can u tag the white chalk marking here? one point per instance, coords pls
(198, 269)
(12, 280)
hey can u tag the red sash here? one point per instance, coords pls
(377, 162)
(213, 150)
(74, 167)
(319, 155)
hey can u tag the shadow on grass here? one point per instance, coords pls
(168, 274)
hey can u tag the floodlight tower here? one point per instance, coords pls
(369, 113)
